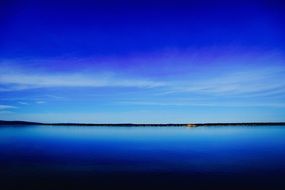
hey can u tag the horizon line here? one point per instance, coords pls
(19, 122)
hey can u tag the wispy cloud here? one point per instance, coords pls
(6, 112)
(205, 72)
(21, 81)
(40, 102)
(203, 104)
(23, 103)
(54, 97)
(7, 107)
(252, 82)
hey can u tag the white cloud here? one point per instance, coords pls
(23, 103)
(5, 112)
(7, 107)
(21, 81)
(204, 104)
(205, 72)
(54, 97)
(40, 102)
(250, 82)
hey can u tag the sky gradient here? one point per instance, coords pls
(142, 61)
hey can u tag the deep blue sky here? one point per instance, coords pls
(142, 61)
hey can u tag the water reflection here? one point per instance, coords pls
(109, 149)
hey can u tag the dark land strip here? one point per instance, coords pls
(144, 125)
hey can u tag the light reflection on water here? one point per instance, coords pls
(180, 149)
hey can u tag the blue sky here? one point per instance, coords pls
(142, 61)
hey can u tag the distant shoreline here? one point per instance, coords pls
(143, 125)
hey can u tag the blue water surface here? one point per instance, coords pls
(224, 150)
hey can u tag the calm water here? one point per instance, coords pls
(204, 157)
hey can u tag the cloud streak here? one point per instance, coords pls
(6, 107)
(23, 103)
(22, 81)
(257, 81)
(207, 73)
(250, 82)
(40, 102)
(202, 104)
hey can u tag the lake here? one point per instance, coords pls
(70, 157)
